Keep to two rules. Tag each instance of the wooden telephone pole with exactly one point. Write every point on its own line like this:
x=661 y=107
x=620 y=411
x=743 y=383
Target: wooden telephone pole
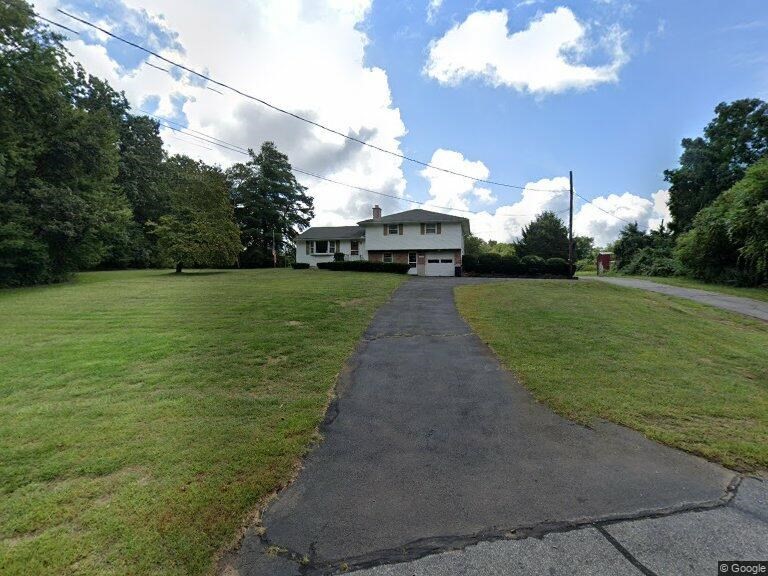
x=570 y=227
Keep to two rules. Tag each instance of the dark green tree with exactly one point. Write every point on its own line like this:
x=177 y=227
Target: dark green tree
x=546 y=237
x=735 y=139
x=728 y=241
x=200 y=230
x=58 y=157
x=583 y=247
x=630 y=241
x=269 y=202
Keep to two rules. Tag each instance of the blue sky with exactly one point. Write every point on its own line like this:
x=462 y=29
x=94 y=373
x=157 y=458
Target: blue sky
x=606 y=88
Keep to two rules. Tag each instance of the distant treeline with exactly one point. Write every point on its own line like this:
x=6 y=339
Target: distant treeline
x=85 y=184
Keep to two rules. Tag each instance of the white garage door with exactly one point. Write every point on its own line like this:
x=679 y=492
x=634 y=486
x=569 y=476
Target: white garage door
x=440 y=265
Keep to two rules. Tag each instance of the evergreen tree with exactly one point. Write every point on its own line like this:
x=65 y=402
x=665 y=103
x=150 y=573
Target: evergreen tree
x=269 y=202
x=546 y=237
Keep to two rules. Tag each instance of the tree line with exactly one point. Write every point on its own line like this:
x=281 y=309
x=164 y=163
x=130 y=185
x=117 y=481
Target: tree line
x=718 y=200
x=85 y=184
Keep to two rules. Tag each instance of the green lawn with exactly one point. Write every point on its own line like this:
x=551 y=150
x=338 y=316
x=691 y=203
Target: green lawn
x=145 y=414
x=755 y=293
x=685 y=374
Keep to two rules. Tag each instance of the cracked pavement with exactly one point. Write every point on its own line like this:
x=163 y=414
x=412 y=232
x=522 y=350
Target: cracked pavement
x=435 y=460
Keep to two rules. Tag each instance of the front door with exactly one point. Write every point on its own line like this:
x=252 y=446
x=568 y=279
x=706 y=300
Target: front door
x=421 y=261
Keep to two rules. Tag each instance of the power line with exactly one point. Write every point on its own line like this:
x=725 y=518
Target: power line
x=55 y=23
x=610 y=213
x=297 y=116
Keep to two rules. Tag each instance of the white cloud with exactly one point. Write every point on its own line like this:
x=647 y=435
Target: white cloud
x=253 y=46
x=450 y=191
x=660 y=209
x=546 y=57
x=433 y=7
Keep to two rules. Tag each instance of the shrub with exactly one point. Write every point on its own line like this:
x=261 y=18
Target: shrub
x=557 y=267
x=365 y=266
x=338 y=256
x=469 y=263
x=489 y=263
x=511 y=265
x=533 y=264
x=299 y=265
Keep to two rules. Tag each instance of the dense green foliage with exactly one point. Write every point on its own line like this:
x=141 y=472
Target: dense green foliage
x=475 y=246
x=546 y=237
x=199 y=230
x=735 y=139
x=270 y=204
x=60 y=209
x=364 y=266
x=528 y=266
x=689 y=375
x=646 y=253
x=86 y=184
x=729 y=239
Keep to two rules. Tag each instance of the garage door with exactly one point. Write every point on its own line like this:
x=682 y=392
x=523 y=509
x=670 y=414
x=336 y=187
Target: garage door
x=440 y=265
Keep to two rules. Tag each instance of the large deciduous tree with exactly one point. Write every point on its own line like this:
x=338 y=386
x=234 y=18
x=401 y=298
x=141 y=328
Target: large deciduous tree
x=735 y=139
x=269 y=203
x=59 y=208
x=546 y=237
x=200 y=230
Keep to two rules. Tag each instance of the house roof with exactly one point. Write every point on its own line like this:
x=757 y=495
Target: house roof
x=417 y=215
x=332 y=233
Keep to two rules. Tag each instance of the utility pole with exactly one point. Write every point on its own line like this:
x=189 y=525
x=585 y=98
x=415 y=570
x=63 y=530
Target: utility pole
x=570 y=226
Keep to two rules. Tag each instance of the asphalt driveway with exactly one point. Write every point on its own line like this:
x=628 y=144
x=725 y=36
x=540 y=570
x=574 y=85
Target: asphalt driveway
x=432 y=445
x=745 y=306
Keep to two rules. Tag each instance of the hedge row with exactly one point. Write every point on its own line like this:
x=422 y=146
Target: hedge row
x=365 y=266
x=496 y=264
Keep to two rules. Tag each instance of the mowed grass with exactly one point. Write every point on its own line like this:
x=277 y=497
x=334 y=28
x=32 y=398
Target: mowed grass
x=682 y=373
x=754 y=293
x=143 y=415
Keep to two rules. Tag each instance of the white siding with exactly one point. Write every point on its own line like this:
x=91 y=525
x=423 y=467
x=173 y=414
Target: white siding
x=313 y=259
x=450 y=238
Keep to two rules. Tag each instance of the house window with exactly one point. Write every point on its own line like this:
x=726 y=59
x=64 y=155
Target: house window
x=430 y=228
x=446 y=261
x=412 y=258
x=387 y=256
x=393 y=229
x=322 y=247
x=354 y=248
x=433 y=261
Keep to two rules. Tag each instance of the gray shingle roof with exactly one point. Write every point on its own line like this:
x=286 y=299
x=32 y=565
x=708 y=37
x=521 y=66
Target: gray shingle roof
x=332 y=233
x=417 y=215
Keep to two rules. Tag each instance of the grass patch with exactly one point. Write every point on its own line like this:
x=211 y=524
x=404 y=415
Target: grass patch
x=682 y=373
x=754 y=293
x=144 y=414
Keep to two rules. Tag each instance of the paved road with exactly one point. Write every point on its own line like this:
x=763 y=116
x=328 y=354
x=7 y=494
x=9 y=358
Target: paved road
x=432 y=445
x=746 y=306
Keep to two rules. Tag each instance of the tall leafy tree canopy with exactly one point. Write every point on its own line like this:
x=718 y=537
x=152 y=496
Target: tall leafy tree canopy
x=59 y=207
x=728 y=241
x=546 y=237
x=200 y=229
x=735 y=139
x=269 y=203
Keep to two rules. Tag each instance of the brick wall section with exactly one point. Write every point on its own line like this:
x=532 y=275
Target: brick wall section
x=400 y=257
x=457 y=257
x=375 y=256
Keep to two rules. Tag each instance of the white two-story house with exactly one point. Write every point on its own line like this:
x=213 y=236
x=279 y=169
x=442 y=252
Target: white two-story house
x=431 y=242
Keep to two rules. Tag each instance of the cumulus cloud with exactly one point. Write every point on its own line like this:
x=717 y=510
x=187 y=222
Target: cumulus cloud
x=252 y=45
x=602 y=218
x=546 y=57
x=450 y=191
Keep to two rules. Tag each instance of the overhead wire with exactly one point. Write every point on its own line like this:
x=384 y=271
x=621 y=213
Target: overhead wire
x=238 y=149
x=208 y=78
